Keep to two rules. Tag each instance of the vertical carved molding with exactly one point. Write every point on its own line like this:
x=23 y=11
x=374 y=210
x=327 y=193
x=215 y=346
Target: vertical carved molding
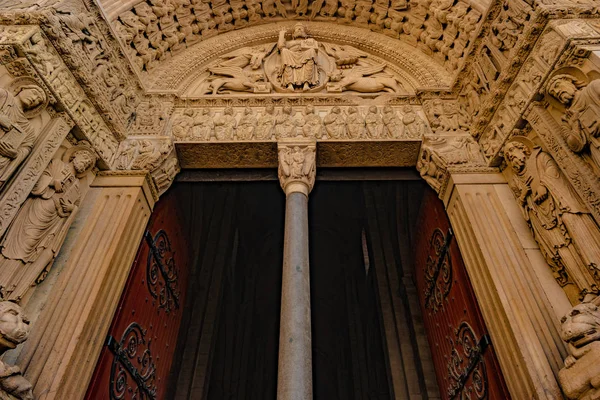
x=523 y=328
x=64 y=346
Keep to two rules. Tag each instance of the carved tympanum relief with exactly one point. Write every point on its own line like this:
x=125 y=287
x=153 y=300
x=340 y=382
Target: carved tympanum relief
x=580 y=377
x=321 y=123
x=297 y=165
x=568 y=236
x=35 y=236
x=152 y=30
x=297 y=64
x=14 y=330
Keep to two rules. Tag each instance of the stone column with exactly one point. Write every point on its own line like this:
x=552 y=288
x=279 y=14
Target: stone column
x=297 y=177
x=67 y=337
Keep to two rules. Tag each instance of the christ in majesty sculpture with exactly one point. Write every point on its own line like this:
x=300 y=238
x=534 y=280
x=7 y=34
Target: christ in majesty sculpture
x=298 y=60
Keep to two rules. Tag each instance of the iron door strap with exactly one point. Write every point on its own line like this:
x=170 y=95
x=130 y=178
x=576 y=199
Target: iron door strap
x=161 y=272
x=132 y=358
x=459 y=371
x=441 y=266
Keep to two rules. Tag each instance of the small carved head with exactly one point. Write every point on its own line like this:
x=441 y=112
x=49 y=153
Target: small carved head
x=581 y=325
x=14 y=325
x=31 y=96
x=373 y=109
x=188 y=112
x=516 y=154
x=83 y=158
x=287 y=109
x=228 y=111
x=299 y=31
x=388 y=110
x=269 y=108
x=563 y=87
x=309 y=109
x=407 y=109
x=352 y=110
x=336 y=110
x=247 y=111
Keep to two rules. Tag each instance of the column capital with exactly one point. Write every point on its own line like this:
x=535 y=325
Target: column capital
x=297 y=165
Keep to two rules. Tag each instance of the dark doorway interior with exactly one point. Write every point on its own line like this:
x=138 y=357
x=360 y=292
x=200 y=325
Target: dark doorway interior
x=228 y=343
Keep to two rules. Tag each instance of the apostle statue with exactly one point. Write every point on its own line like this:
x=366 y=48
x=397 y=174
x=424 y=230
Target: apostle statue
x=17 y=134
x=14 y=330
x=40 y=227
x=581 y=121
x=561 y=223
x=299 y=67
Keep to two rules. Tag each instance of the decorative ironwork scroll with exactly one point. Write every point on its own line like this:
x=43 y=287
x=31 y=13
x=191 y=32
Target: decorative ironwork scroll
x=438 y=273
x=466 y=367
x=133 y=360
x=162 y=272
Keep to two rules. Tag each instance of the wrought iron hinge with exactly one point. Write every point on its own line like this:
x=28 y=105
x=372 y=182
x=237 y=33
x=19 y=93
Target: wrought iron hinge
x=475 y=361
x=432 y=281
x=168 y=272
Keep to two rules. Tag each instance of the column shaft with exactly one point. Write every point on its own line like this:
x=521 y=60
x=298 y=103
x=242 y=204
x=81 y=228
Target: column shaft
x=295 y=352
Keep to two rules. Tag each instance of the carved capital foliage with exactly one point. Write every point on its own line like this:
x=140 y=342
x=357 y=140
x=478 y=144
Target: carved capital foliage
x=297 y=165
x=442 y=156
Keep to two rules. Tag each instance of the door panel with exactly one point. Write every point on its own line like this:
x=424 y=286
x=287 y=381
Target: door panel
x=464 y=359
x=138 y=354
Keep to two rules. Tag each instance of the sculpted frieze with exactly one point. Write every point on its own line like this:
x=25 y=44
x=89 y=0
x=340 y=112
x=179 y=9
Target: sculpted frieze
x=308 y=121
x=560 y=221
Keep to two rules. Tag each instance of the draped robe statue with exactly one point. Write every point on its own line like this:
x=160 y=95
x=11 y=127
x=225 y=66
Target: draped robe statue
x=561 y=223
x=299 y=67
x=40 y=227
x=17 y=135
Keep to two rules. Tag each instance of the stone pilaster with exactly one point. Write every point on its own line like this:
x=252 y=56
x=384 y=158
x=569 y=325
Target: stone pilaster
x=297 y=177
x=519 y=300
x=61 y=354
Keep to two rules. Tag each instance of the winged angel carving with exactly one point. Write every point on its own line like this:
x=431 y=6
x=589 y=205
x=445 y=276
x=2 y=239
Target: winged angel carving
x=300 y=64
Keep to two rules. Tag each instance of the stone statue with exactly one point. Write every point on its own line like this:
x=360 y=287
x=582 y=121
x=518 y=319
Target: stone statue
x=581 y=121
x=284 y=126
x=580 y=378
x=14 y=330
x=182 y=125
x=374 y=123
x=335 y=124
x=429 y=167
x=225 y=125
x=17 y=134
x=299 y=65
x=561 y=223
x=264 y=130
x=393 y=126
x=40 y=227
x=355 y=124
x=313 y=126
x=203 y=126
x=414 y=127
x=247 y=125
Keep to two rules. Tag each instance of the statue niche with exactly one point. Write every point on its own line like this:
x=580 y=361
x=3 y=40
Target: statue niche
x=298 y=65
x=561 y=224
x=34 y=237
x=22 y=101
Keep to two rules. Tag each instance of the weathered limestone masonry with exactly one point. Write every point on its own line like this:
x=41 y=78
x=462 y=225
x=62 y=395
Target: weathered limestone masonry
x=496 y=103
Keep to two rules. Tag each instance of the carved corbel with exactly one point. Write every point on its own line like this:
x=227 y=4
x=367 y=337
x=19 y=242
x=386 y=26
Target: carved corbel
x=297 y=166
x=442 y=156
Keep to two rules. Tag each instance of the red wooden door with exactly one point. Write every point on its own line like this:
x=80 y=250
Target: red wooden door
x=137 y=357
x=465 y=363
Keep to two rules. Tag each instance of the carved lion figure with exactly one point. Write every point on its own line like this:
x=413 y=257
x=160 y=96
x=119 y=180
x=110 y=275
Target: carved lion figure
x=580 y=378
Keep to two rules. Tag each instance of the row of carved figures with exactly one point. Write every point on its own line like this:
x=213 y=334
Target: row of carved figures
x=153 y=28
x=192 y=125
